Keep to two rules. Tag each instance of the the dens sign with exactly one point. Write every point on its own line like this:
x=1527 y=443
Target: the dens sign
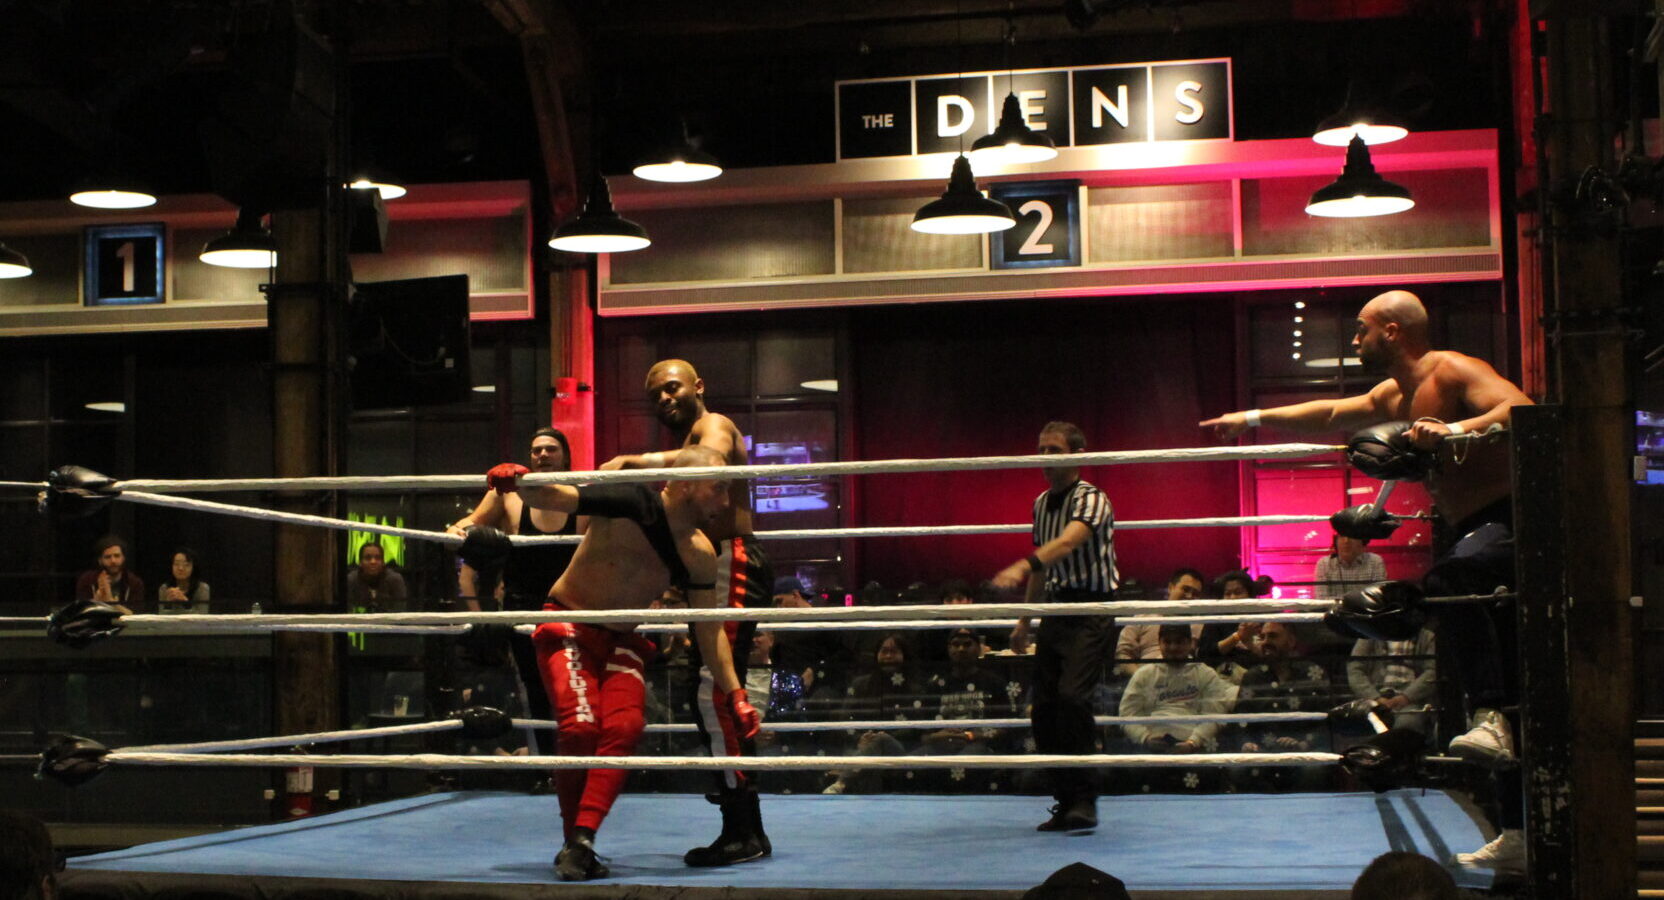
x=1165 y=101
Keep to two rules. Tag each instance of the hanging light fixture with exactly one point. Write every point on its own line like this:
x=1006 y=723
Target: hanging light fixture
x=1013 y=142
x=599 y=228
x=1373 y=125
x=113 y=192
x=14 y=264
x=1359 y=191
x=681 y=163
x=370 y=178
x=962 y=209
x=246 y=246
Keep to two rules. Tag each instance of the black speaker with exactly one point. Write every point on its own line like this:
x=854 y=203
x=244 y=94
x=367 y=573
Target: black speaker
x=408 y=342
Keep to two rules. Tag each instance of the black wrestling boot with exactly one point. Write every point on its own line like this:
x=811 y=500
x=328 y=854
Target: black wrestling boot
x=577 y=860
x=1078 y=814
x=742 y=838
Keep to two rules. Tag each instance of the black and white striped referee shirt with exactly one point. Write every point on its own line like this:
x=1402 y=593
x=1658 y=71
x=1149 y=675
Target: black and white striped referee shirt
x=1091 y=566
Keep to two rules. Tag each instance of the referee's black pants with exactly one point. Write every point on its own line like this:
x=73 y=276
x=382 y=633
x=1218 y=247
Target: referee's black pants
x=1068 y=665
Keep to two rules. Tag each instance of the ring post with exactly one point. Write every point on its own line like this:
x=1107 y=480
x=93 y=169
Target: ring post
x=1545 y=671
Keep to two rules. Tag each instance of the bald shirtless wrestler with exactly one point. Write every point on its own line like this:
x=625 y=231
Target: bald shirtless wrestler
x=744 y=578
x=1445 y=394
x=639 y=544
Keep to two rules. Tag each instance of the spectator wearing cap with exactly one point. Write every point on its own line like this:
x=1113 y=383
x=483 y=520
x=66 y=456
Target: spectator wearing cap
x=1178 y=686
x=815 y=656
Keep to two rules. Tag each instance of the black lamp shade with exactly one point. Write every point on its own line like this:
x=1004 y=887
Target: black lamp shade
x=1359 y=191
x=14 y=264
x=962 y=209
x=1013 y=142
x=599 y=228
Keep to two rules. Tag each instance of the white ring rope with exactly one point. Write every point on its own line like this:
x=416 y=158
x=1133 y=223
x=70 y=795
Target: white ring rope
x=289 y=518
x=696 y=473
x=939 y=724
x=720 y=763
x=159 y=625
x=296 y=740
x=163 y=625
x=942 y=612
x=328 y=737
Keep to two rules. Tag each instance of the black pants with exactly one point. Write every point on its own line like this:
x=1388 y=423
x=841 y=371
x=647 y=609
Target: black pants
x=1068 y=664
x=531 y=677
x=1480 y=642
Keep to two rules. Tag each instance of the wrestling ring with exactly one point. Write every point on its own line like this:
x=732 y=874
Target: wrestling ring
x=499 y=844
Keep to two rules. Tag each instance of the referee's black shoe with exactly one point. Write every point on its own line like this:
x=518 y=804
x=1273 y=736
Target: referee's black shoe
x=1079 y=814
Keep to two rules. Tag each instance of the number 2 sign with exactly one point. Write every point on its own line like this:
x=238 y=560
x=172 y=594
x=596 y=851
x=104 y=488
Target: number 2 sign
x=1048 y=225
x=124 y=264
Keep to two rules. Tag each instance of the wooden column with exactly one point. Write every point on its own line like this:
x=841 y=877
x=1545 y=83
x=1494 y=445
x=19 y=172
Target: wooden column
x=1588 y=356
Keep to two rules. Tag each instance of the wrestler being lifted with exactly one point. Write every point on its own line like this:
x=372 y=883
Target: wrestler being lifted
x=640 y=542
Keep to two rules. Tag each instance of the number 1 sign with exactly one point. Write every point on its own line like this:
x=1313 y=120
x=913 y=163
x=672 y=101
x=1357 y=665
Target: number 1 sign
x=1047 y=233
x=124 y=264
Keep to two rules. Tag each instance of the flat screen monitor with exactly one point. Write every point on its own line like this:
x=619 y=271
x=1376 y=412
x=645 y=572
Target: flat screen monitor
x=784 y=495
x=1649 y=446
x=408 y=342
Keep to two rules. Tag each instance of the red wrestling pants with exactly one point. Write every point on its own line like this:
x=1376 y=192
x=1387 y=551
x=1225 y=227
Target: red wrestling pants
x=745 y=577
x=595 y=684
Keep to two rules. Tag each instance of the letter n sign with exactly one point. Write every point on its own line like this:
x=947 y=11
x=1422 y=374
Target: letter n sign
x=124 y=264
x=1048 y=225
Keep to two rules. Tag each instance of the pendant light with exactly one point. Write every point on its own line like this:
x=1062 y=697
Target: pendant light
x=962 y=209
x=1373 y=125
x=247 y=245
x=680 y=163
x=1013 y=142
x=599 y=228
x=112 y=193
x=371 y=178
x=14 y=264
x=1359 y=191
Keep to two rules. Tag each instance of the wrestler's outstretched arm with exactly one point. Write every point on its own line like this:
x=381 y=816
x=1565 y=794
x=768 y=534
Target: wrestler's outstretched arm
x=1346 y=414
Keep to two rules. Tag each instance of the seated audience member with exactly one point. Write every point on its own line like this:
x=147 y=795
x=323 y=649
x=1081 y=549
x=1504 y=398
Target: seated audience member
x=372 y=587
x=1282 y=682
x=1139 y=642
x=112 y=582
x=1389 y=672
x=1401 y=875
x=28 y=864
x=888 y=691
x=1348 y=566
x=967 y=690
x=183 y=590
x=1178 y=686
x=819 y=658
x=1232 y=650
x=933 y=643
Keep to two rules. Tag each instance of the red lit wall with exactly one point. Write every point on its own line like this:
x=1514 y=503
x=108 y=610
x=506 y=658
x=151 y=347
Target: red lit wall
x=980 y=379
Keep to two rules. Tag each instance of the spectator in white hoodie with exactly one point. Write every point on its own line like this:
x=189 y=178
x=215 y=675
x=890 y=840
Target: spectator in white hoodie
x=1180 y=686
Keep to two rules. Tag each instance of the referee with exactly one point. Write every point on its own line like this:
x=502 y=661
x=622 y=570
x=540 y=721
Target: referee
x=1074 y=562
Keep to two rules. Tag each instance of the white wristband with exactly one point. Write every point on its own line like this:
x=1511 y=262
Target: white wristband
x=1253 y=418
x=1455 y=429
